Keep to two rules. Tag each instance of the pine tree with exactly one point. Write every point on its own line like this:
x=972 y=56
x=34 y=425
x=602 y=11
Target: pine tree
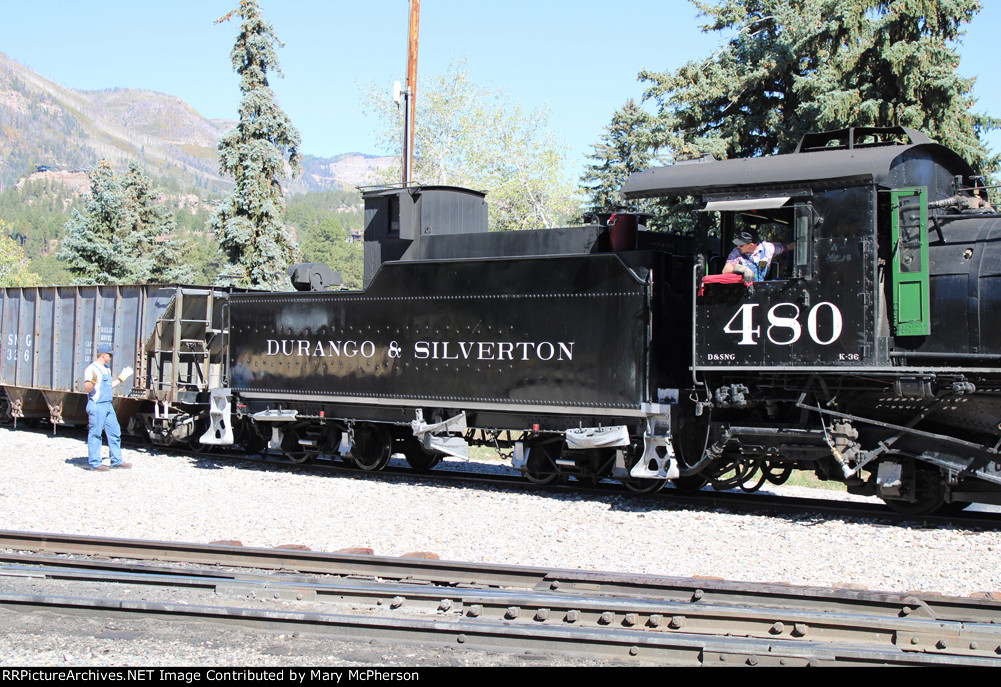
x=165 y=252
x=94 y=246
x=124 y=235
x=627 y=146
x=793 y=66
x=258 y=153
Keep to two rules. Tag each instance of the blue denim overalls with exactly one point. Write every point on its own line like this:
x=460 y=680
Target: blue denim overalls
x=103 y=419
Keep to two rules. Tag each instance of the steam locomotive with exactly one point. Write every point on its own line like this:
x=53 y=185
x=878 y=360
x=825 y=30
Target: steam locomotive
x=867 y=355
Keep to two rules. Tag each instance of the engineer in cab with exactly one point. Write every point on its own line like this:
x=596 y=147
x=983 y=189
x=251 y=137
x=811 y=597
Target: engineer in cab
x=752 y=257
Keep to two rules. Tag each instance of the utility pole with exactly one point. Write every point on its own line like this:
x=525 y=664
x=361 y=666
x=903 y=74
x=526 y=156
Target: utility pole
x=411 y=92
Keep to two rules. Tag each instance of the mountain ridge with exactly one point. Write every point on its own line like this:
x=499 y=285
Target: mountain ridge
x=44 y=124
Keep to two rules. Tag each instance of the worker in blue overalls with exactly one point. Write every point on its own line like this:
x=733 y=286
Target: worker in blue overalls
x=98 y=384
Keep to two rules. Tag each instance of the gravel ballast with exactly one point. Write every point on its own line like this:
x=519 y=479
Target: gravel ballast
x=47 y=488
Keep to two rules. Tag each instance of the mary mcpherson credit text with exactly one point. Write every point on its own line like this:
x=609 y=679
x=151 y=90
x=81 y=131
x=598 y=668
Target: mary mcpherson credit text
x=284 y=675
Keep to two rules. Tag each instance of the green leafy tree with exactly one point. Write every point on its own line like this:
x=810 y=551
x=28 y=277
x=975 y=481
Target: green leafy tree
x=794 y=66
x=467 y=135
x=124 y=235
x=14 y=269
x=261 y=151
x=36 y=212
x=333 y=246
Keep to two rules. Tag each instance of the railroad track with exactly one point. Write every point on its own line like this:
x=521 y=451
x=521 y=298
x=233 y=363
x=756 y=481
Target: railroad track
x=634 y=618
x=738 y=501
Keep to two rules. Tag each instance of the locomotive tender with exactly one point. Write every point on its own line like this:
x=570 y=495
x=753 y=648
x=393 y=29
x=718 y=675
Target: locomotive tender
x=868 y=355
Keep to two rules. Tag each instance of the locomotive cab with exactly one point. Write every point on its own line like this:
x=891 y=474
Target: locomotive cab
x=866 y=350
x=860 y=266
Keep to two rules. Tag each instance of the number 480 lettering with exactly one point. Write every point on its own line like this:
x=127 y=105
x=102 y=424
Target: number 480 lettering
x=784 y=327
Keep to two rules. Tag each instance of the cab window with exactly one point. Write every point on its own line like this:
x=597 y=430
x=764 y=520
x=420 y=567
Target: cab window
x=783 y=221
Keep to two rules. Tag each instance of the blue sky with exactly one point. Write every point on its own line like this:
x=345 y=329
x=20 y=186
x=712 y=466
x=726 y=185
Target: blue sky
x=579 y=58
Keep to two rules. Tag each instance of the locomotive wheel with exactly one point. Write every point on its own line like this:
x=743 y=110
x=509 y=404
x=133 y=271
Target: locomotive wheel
x=250 y=438
x=644 y=486
x=636 y=484
x=541 y=466
x=595 y=465
x=689 y=482
x=372 y=448
x=417 y=457
x=930 y=494
x=923 y=506
x=299 y=457
x=954 y=507
x=292 y=450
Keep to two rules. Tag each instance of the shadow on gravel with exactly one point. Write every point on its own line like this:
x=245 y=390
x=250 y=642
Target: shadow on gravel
x=491 y=478
x=494 y=477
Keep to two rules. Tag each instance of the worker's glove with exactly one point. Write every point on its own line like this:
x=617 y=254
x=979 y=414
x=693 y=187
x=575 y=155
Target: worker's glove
x=126 y=373
x=745 y=272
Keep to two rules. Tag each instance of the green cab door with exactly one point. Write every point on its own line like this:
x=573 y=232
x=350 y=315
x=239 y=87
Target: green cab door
x=909 y=222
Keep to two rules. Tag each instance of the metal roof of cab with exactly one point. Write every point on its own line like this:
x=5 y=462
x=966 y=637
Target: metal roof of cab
x=883 y=165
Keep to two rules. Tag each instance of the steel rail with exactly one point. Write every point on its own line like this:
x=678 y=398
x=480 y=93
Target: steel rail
x=658 y=647
x=734 y=500
x=433 y=571
x=755 y=502
x=553 y=608
x=745 y=501
x=453 y=574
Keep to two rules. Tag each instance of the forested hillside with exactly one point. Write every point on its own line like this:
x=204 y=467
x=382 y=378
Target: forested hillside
x=36 y=211
x=42 y=123
x=51 y=136
x=328 y=226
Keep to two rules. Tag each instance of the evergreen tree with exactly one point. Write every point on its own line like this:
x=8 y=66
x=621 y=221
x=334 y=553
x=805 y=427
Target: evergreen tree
x=793 y=66
x=323 y=223
x=164 y=252
x=627 y=146
x=124 y=235
x=258 y=153
x=94 y=246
